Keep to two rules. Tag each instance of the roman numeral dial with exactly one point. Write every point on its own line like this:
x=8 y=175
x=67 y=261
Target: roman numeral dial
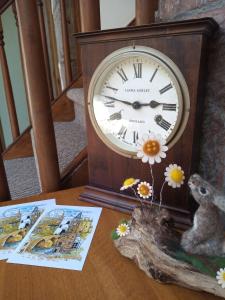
x=162 y=122
x=122 y=74
x=137 y=70
x=133 y=95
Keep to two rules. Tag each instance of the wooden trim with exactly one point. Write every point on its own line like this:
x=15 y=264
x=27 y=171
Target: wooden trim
x=66 y=44
x=21 y=56
x=4 y=4
x=145 y=11
x=53 y=49
x=2 y=140
x=38 y=96
x=45 y=47
x=74 y=164
x=77 y=28
x=90 y=15
x=8 y=88
x=126 y=204
x=205 y=26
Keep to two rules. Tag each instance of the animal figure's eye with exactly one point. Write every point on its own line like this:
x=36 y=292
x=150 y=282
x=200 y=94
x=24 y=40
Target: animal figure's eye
x=203 y=191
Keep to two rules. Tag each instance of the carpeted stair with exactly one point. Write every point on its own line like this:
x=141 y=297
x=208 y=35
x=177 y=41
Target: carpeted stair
x=70 y=139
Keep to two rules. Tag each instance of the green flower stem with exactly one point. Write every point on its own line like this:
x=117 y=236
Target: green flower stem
x=160 y=195
x=153 y=182
x=136 y=195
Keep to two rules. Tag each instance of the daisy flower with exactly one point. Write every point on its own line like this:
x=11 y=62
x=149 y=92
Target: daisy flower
x=152 y=149
x=128 y=183
x=174 y=176
x=144 y=190
x=123 y=229
x=220 y=276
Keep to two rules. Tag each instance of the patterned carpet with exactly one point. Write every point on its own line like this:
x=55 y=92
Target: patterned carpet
x=70 y=139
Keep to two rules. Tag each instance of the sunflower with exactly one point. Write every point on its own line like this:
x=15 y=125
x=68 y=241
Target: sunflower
x=220 y=276
x=174 y=176
x=123 y=229
x=144 y=190
x=152 y=149
x=128 y=183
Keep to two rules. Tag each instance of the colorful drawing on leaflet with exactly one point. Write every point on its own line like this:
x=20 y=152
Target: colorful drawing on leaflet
x=16 y=221
x=60 y=239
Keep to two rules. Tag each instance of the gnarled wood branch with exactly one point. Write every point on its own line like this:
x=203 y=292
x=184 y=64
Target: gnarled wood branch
x=148 y=244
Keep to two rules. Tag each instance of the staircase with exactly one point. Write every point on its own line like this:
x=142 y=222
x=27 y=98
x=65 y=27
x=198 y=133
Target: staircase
x=22 y=173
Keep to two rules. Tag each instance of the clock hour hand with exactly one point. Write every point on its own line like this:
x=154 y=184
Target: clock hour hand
x=118 y=100
x=166 y=106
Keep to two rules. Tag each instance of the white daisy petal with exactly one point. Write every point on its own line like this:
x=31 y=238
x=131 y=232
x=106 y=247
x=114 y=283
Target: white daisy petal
x=144 y=159
x=158 y=159
x=221 y=277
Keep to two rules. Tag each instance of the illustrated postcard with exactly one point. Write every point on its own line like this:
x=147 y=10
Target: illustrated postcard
x=16 y=221
x=60 y=239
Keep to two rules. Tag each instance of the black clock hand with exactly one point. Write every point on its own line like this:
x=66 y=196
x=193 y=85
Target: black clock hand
x=118 y=100
x=154 y=104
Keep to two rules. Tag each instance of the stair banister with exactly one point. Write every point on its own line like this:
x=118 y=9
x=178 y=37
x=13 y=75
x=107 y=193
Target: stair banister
x=66 y=45
x=8 y=88
x=90 y=15
x=38 y=95
x=45 y=48
x=145 y=11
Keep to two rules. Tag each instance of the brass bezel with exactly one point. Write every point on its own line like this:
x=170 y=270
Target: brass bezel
x=169 y=65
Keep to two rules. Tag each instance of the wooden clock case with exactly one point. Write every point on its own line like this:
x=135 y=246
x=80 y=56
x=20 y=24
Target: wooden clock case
x=185 y=43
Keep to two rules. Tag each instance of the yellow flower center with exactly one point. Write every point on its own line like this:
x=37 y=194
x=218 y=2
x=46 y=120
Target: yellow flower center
x=223 y=276
x=176 y=175
x=129 y=181
x=122 y=228
x=144 y=190
x=151 y=147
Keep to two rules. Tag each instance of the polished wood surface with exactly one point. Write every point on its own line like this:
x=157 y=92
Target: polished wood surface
x=8 y=88
x=4 y=188
x=173 y=39
x=45 y=47
x=106 y=274
x=66 y=45
x=38 y=96
x=145 y=11
x=90 y=15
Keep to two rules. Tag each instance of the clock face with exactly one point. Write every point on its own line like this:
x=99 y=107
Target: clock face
x=132 y=93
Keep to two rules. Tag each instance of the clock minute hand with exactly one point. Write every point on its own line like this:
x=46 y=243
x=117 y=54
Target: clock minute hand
x=118 y=100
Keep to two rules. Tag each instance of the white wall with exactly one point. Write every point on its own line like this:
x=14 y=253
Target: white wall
x=116 y=13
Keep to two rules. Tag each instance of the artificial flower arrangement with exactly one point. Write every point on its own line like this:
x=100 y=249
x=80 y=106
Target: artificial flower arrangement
x=152 y=149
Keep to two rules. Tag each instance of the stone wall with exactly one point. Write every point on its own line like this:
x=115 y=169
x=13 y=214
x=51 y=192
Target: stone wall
x=212 y=164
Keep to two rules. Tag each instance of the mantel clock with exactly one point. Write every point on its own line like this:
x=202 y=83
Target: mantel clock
x=139 y=80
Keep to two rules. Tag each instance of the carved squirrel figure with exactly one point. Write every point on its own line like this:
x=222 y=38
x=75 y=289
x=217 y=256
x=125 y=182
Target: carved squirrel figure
x=207 y=235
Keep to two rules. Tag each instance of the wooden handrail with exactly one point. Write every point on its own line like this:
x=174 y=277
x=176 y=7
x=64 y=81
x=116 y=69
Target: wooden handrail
x=45 y=47
x=8 y=88
x=66 y=44
x=38 y=96
x=90 y=15
x=4 y=188
x=145 y=11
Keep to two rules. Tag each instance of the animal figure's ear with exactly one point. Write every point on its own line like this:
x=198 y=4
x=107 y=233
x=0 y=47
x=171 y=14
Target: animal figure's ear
x=219 y=201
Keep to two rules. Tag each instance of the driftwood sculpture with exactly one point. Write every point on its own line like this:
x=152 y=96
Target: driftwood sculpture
x=154 y=246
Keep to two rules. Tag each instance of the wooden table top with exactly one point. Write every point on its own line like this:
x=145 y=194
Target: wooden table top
x=105 y=275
